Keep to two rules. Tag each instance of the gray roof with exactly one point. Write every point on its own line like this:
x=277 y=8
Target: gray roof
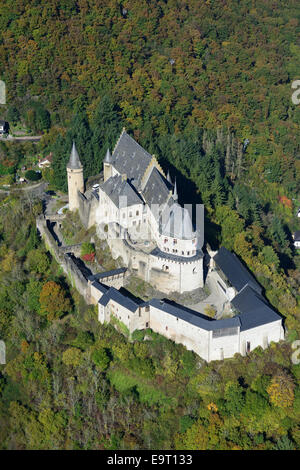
x=183 y=259
x=193 y=317
x=130 y=158
x=157 y=188
x=236 y=273
x=124 y=300
x=113 y=272
x=254 y=309
x=74 y=162
x=104 y=299
x=121 y=192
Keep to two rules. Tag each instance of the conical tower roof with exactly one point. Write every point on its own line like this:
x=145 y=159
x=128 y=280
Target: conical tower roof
x=169 y=177
x=74 y=162
x=107 y=158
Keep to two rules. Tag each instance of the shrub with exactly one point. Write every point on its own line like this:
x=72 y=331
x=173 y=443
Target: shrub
x=32 y=175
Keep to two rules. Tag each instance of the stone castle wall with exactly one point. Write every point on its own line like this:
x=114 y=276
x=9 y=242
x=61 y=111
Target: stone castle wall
x=163 y=274
x=66 y=259
x=87 y=210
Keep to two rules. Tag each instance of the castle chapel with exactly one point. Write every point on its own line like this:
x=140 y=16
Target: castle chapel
x=136 y=209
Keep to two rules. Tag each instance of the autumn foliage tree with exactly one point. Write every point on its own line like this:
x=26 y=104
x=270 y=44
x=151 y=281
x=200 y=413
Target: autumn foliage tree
x=281 y=390
x=53 y=300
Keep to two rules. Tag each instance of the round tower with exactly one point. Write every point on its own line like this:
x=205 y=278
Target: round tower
x=75 y=179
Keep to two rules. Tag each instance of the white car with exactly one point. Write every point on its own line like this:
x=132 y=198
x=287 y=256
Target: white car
x=95 y=186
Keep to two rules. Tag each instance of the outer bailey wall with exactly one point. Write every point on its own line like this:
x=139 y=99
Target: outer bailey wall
x=262 y=336
x=89 y=292
x=180 y=331
x=76 y=277
x=224 y=347
x=69 y=267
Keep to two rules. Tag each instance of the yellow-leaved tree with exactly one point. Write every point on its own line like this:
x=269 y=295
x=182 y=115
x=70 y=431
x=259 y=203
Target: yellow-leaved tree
x=281 y=390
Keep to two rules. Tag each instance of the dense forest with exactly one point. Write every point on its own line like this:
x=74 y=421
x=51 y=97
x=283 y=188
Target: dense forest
x=206 y=87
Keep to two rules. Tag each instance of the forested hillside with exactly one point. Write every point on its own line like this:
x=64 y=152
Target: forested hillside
x=71 y=383
x=206 y=87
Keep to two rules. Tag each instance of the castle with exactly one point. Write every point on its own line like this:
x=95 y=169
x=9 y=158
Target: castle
x=138 y=205
x=136 y=208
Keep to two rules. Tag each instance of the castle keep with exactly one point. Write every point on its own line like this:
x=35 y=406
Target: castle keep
x=145 y=225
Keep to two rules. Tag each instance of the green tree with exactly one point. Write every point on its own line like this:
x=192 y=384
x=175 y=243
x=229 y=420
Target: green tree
x=72 y=357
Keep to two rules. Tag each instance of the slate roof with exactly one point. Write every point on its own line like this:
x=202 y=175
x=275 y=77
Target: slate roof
x=130 y=158
x=157 y=188
x=114 y=294
x=74 y=162
x=104 y=299
x=193 y=317
x=99 y=286
x=183 y=259
x=120 y=192
x=113 y=272
x=254 y=309
x=236 y=273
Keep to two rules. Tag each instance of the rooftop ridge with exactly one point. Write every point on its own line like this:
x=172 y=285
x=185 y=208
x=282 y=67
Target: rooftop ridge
x=122 y=132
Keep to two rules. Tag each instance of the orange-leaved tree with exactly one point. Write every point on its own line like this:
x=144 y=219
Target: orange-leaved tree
x=54 y=301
